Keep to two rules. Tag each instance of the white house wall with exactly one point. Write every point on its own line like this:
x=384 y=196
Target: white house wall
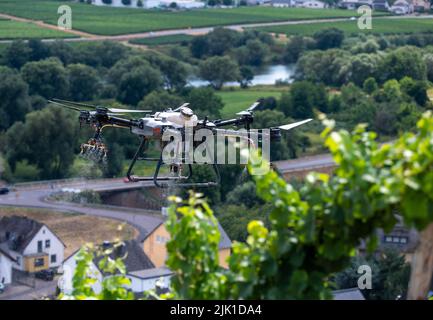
x=5 y=269
x=18 y=258
x=56 y=246
x=68 y=270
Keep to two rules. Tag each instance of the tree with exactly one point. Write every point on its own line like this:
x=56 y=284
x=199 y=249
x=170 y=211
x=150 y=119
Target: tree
x=39 y=50
x=245 y=194
x=83 y=82
x=160 y=100
x=205 y=102
x=415 y=89
x=134 y=85
x=391 y=275
x=218 y=70
x=397 y=64
x=14 y=102
x=303 y=97
x=199 y=46
x=174 y=73
x=220 y=40
x=47 y=78
x=246 y=75
x=47 y=139
x=295 y=47
x=17 y=54
x=328 y=38
x=370 y=85
x=255 y=53
x=331 y=67
x=134 y=78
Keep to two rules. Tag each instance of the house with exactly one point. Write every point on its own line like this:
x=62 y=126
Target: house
x=282 y=3
x=400 y=238
x=381 y=5
x=31 y=244
x=6 y=262
x=139 y=268
x=154 y=245
x=149 y=4
x=421 y=5
x=348 y=294
x=402 y=7
x=314 y=4
x=355 y=4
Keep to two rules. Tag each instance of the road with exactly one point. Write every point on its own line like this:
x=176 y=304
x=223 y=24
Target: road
x=85 y=36
x=35 y=196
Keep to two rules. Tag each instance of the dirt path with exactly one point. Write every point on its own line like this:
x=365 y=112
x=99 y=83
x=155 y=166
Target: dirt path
x=46 y=25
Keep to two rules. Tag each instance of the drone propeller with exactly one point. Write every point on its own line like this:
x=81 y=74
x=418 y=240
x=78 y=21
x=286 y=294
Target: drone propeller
x=75 y=105
x=64 y=105
x=294 y=125
x=250 y=110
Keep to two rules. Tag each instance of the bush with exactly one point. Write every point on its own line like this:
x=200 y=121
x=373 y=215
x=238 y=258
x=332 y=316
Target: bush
x=126 y=2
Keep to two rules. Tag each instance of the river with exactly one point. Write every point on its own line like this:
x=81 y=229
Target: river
x=268 y=76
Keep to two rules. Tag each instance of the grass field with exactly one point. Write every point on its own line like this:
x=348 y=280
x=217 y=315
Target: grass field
x=23 y=30
x=112 y=21
x=158 y=41
x=380 y=26
x=74 y=229
x=240 y=99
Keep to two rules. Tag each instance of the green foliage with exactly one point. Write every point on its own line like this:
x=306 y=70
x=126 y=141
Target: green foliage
x=47 y=78
x=328 y=38
x=397 y=64
x=218 y=70
x=391 y=275
x=314 y=232
x=199 y=276
x=46 y=139
x=114 y=287
x=14 y=102
x=83 y=82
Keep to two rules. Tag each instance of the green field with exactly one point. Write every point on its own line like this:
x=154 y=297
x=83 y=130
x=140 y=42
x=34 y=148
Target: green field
x=23 y=30
x=113 y=21
x=380 y=26
x=158 y=41
x=240 y=99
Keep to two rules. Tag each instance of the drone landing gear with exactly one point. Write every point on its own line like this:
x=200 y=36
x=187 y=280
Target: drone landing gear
x=176 y=172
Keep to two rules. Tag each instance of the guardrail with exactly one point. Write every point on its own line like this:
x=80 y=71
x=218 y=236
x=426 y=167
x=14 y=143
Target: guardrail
x=55 y=183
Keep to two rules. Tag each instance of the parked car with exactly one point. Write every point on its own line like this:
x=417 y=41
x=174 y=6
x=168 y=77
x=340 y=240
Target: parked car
x=4 y=190
x=47 y=275
x=2 y=288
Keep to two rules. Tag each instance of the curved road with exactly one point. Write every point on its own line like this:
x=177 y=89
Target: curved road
x=35 y=197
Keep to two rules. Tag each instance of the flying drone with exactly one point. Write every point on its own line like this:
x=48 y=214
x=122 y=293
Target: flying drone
x=152 y=127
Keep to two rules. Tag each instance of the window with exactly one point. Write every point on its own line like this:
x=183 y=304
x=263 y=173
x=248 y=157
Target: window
x=47 y=243
x=39 y=262
x=39 y=246
x=53 y=258
x=18 y=259
x=403 y=240
x=388 y=239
